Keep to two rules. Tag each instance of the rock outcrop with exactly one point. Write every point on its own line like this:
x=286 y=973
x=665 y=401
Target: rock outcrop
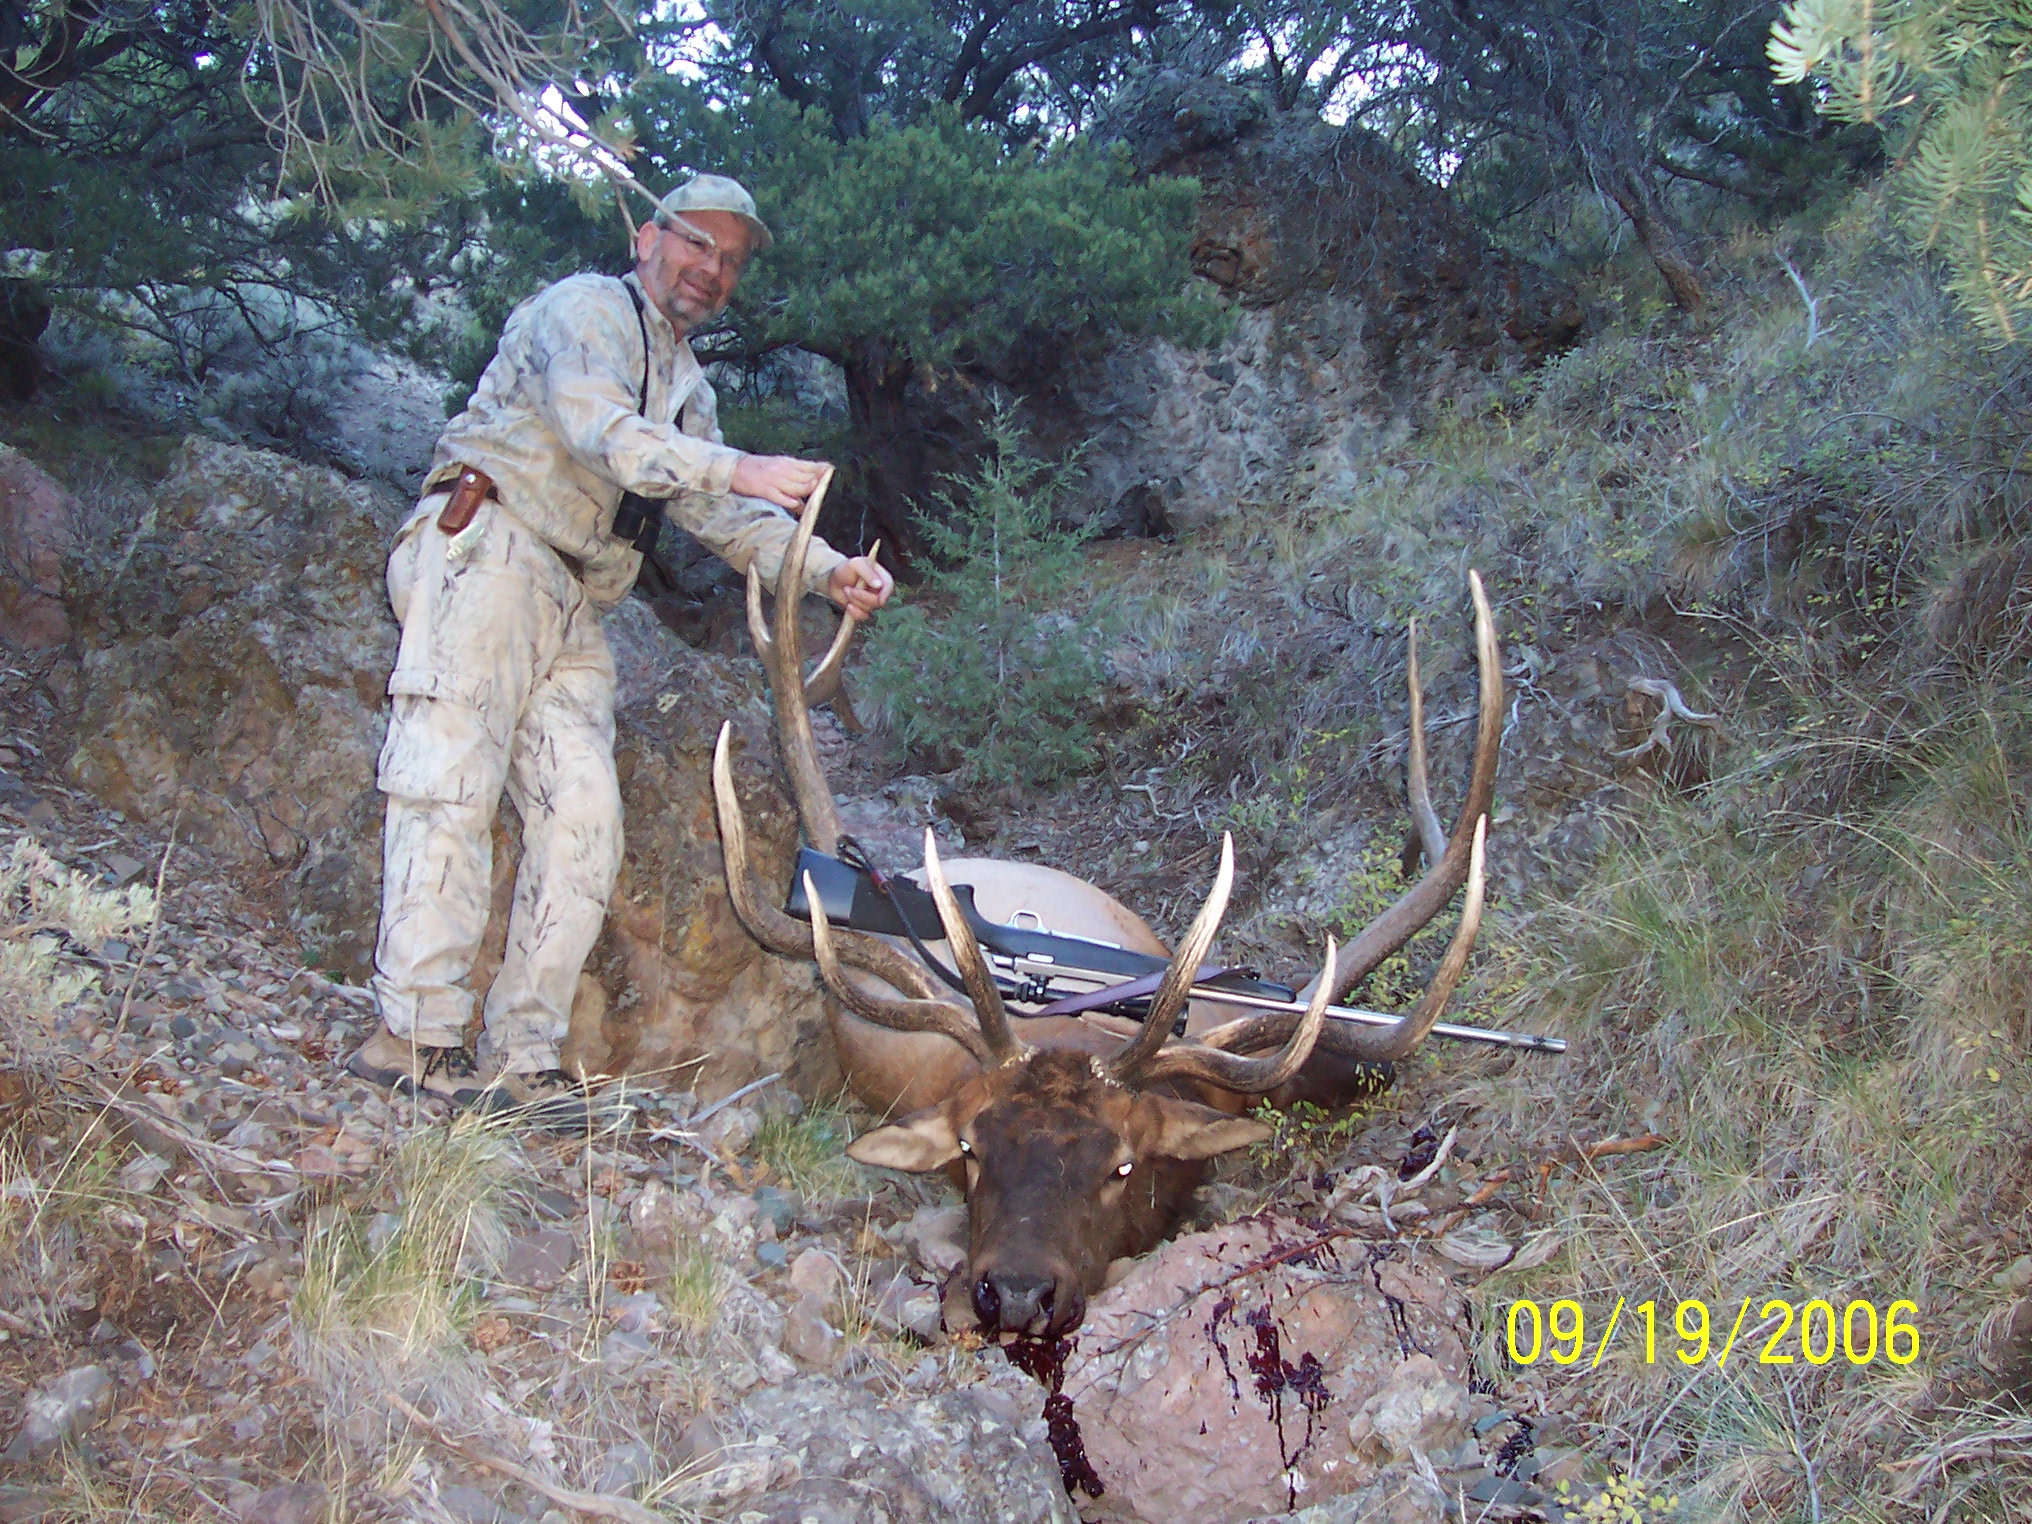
x=233 y=666
x=1365 y=296
x=35 y=534
x=1236 y=1373
x=234 y=656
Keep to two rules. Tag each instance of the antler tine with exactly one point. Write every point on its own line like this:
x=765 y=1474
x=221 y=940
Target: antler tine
x=974 y=972
x=785 y=664
x=823 y=686
x=785 y=934
x=1179 y=978
x=1250 y=1076
x=758 y=623
x=1379 y=1045
x=1428 y=897
x=899 y=1015
x=1447 y=976
x=1423 y=816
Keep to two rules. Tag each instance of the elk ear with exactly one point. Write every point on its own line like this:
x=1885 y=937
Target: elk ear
x=923 y=1141
x=1187 y=1130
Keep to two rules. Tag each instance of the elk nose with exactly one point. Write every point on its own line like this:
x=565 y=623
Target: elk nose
x=1014 y=1301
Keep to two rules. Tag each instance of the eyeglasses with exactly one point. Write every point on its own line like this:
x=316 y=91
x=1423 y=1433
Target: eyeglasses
x=697 y=237
x=700 y=242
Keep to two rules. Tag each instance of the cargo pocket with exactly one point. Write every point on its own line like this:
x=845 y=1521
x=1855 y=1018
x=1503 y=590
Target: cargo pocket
x=440 y=746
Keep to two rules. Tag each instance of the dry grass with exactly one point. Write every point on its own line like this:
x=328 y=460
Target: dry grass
x=385 y=1296
x=1829 y=1018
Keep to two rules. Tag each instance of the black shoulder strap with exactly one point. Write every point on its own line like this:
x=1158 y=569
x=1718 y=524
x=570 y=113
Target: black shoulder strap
x=642 y=402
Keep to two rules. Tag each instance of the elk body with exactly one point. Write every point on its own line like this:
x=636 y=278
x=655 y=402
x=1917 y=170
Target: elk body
x=1079 y=1140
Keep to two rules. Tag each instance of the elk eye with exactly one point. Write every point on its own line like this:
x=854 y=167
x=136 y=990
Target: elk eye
x=1125 y=1167
x=966 y=1147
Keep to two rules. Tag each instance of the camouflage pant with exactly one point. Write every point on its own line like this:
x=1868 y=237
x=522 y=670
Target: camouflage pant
x=504 y=678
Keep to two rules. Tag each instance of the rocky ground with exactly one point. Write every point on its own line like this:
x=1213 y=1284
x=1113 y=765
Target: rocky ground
x=239 y=1284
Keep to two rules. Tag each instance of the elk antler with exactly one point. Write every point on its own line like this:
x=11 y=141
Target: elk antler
x=1248 y=1076
x=974 y=971
x=1375 y=1045
x=1151 y=1055
x=1431 y=837
x=785 y=934
x=1176 y=987
x=985 y=1033
x=1428 y=897
x=938 y=1016
x=794 y=694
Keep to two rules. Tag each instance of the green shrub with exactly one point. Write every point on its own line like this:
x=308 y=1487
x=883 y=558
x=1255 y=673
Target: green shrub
x=983 y=668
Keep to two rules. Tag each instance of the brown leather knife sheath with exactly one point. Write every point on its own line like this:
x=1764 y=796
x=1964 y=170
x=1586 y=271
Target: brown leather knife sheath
x=468 y=492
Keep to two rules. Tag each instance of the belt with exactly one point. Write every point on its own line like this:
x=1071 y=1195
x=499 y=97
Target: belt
x=473 y=487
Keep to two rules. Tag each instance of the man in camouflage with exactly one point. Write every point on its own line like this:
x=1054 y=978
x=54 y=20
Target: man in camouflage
x=503 y=677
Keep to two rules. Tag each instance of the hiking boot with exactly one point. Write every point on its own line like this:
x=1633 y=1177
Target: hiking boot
x=405 y=1067
x=548 y=1099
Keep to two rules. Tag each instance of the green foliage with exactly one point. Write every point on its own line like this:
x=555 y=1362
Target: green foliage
x=999 y=678
x=1304 y=1139
x=932 y=243
x=807 y=1152
x=1949 y=77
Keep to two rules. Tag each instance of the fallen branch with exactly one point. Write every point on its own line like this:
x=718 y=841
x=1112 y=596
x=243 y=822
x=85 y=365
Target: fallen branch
x=1584 y=1153
x=154 y=926
x=594 y=1505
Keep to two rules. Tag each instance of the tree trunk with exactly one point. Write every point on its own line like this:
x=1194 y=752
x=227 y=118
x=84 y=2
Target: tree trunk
x=1655 y=232
x=24 y=314
x=893 y=475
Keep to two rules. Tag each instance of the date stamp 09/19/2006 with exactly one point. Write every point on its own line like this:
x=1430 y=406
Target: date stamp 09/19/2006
x=1814 y=1332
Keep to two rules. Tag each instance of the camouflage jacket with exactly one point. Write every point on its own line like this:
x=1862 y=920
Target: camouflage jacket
x=554 y=422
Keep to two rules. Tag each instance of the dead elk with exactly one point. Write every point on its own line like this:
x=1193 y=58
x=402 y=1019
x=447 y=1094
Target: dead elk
x=1078 y=1140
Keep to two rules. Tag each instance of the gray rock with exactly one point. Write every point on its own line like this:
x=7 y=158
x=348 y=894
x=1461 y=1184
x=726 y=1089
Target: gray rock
x=61 y=1411
x=729 y=1133
x=469 y=1505
x=1173 y=1436
x=291 y=1503
x=845 y=1456
x=36 y=519
x=816 y=1273
x=807 y=1335
x=939 y=1235
x=780 y=1207
x=1398 y=1495
x=20 y=1505
x=539 y=1260
x=622 y=1352
x=907 y=1306
x=625 y=1467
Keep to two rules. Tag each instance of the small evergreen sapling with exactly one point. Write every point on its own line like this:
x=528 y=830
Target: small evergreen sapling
x=984 y=668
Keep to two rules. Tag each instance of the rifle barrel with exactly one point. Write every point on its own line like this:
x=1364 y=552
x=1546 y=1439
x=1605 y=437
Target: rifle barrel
x=1520 y=1040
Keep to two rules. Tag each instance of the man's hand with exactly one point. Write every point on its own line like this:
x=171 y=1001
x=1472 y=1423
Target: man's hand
x=860 y=587
x=783 y=480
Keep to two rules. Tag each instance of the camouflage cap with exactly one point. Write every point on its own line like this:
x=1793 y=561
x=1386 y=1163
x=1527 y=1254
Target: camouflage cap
x=716 y=193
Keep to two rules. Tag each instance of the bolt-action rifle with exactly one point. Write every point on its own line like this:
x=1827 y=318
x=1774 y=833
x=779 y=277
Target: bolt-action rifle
x=1064 y=975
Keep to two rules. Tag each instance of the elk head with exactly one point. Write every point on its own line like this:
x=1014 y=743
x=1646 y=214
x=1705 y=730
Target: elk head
x=1071 y=1158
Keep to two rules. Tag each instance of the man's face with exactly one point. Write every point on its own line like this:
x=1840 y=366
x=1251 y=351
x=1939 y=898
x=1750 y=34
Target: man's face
x=691 y=278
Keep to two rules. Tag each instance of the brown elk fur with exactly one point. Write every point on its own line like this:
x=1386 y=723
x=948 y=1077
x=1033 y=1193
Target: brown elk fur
x=1039 y=1146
